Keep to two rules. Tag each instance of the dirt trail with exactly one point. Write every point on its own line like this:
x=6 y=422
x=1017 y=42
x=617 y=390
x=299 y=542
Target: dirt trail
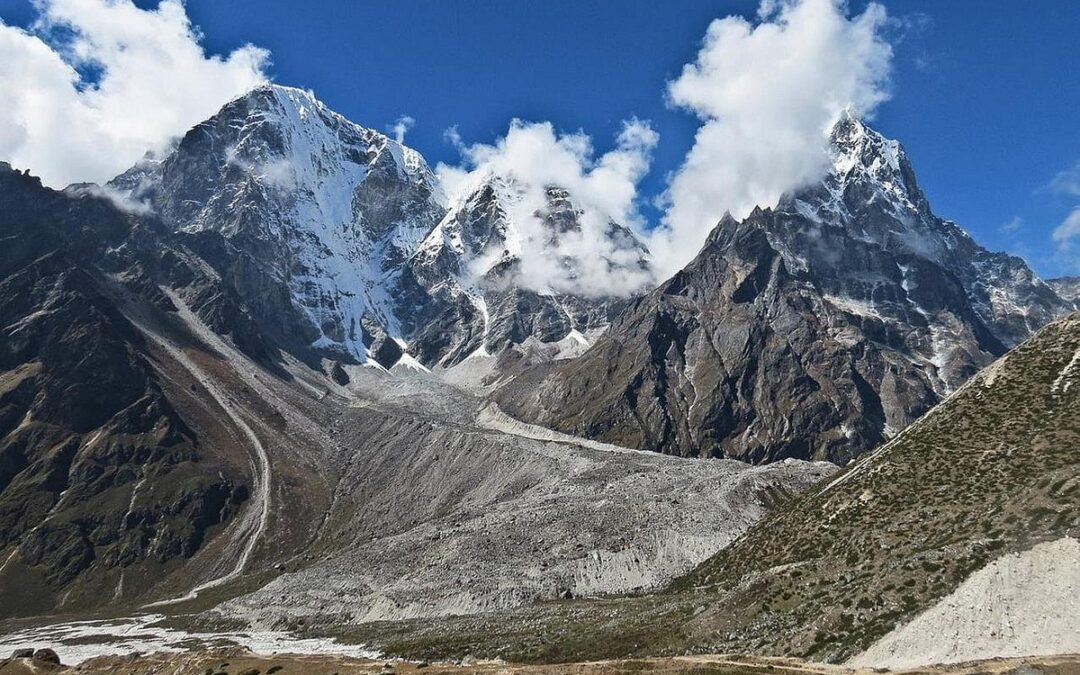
x=257 y=514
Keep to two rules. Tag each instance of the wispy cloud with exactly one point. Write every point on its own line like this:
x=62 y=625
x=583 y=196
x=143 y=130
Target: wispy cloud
x=1067 y=181
x=121 y=200
x=1067 y=237
x=1012 y=226
x=1069 y=228
x=150 y=80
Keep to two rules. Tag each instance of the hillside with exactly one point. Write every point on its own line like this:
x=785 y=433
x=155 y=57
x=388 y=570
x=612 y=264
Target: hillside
x=992 y=471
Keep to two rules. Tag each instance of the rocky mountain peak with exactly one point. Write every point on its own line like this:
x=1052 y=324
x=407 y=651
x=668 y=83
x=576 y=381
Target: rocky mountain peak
x=343 y=244
x=850 y=302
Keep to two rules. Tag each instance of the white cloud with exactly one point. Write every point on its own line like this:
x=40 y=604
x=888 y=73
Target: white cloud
x=153 y=82
x=401 y=127
x=277 y=173
x=767 y=94
x=1067 y=181
x=121 y=200
x=604 y=188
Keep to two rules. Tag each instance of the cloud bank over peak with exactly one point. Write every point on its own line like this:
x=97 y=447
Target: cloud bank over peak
x=767 y=94
x=533 y=157
x=96 y=83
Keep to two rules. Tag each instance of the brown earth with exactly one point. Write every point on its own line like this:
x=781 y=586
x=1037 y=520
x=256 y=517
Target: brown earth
x=239 y=662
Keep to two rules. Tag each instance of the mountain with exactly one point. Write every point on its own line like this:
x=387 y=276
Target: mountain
x=113 y=466
x=214 y=387
x=304 y=213
x=819 y=328
x=342 y=244
x=160 y=449
x=990 y=474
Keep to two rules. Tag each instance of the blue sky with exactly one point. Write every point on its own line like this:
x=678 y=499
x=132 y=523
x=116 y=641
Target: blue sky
x=984 y=94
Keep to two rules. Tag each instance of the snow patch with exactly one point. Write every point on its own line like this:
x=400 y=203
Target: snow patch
x=1064 y=378
x=853 y=306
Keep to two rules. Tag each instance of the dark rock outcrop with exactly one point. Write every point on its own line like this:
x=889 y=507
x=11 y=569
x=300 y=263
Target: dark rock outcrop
x=100 y=477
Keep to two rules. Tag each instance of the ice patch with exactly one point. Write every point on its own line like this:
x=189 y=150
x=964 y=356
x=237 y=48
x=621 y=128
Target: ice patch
x=78 y=641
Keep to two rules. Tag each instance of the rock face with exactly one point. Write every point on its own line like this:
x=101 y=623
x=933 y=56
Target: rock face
x=1067 y=287
x=816 y=329
x=341 y=243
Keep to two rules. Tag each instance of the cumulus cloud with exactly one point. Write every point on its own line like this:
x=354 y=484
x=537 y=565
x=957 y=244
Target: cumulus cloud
x=401 y=127
x=534 y=157
x=767 y=94
x=94 y=84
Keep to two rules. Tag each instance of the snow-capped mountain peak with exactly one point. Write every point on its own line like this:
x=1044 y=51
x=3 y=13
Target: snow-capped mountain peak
x=868 y=172
x=497 y=225
x=861 y=152
x=318 y=204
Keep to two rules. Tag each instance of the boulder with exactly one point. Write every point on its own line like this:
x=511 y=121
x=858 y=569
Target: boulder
x=45 y=657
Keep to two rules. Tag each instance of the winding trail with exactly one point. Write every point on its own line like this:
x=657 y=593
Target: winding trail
x=256 y=516
x=492 y=418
